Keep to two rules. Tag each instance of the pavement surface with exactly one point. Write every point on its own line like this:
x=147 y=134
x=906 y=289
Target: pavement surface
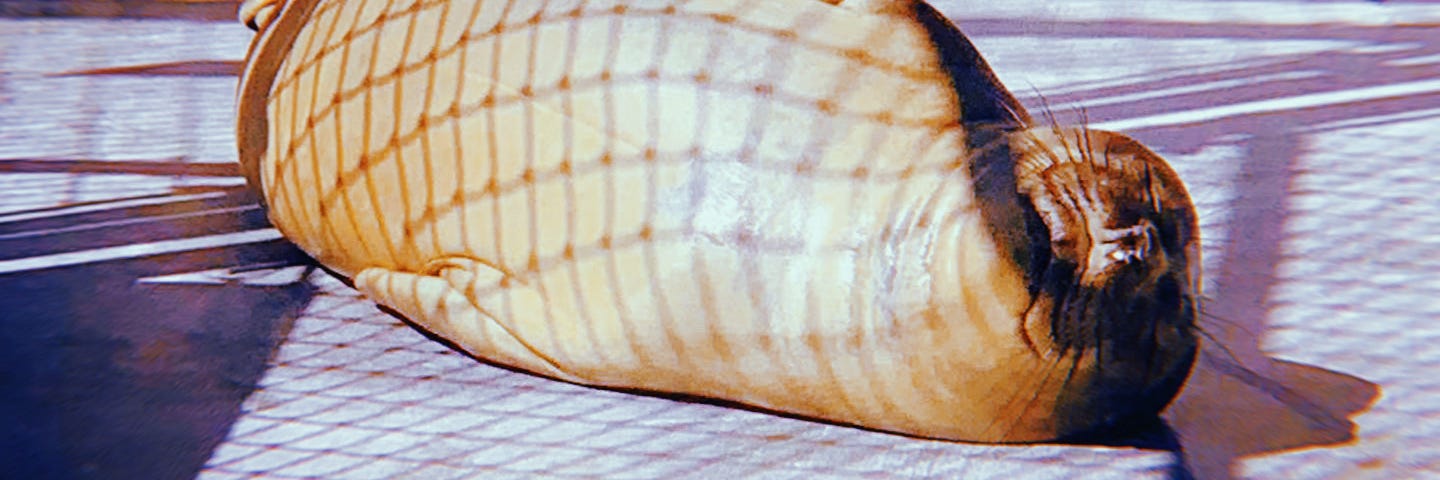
x=153 y=326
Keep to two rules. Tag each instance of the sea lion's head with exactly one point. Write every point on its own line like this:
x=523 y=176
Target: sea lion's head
x=1112 y=269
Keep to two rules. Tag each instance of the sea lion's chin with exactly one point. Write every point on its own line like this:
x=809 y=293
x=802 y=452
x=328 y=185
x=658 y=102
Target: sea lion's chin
x=1115 y=291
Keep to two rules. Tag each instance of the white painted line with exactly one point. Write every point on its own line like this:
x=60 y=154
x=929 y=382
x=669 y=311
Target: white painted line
x=1199 y=87
x=1309 y=100
x=138 y=250
x=1377 y=120
x=270 y=277
x=1208 y=69
x=1412 y=115
x=217 y=276
x=1414 y=61
x=126 y=222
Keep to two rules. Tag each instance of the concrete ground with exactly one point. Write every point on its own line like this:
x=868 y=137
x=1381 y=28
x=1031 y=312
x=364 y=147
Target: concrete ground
x=148 y=331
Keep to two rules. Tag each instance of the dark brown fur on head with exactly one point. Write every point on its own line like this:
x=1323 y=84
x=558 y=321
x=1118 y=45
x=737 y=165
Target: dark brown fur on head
x=1113 y=267
x=1106 y=234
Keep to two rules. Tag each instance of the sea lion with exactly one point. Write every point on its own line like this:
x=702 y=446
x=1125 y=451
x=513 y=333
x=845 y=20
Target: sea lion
x=829 y=209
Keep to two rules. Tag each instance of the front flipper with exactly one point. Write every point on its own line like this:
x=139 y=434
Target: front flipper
x=437 y=301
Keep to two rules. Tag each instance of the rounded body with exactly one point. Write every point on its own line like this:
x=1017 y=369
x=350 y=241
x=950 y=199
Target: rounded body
x=771 y=203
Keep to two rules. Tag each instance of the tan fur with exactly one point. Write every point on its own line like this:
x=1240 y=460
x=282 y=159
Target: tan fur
x=761 y=202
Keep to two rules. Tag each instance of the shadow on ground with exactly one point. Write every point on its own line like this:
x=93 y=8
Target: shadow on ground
x=106 y=377
x=1240 y=402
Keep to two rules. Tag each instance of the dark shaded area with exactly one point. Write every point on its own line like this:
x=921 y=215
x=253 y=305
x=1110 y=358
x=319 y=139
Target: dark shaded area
x=1239 y=401
x=195 y=68
x=206 y=10
x=1150 y=433
x=990 y=114
x=983 y=100
x=120 y=167
x=109 y=378
x=106 y=378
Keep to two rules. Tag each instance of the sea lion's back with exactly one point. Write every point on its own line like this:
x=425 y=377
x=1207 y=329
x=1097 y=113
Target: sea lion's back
x=515 y=130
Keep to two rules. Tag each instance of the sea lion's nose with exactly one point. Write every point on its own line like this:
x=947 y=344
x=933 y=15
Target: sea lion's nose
x=1115 y=247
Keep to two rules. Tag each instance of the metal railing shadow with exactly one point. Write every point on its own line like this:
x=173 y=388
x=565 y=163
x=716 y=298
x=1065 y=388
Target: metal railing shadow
x=1240 y=402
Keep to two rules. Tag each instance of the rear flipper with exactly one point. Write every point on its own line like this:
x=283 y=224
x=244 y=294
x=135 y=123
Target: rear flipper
x=437 y=301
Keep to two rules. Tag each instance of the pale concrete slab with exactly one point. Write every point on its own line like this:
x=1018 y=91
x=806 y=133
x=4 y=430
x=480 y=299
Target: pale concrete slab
x=1304 y=129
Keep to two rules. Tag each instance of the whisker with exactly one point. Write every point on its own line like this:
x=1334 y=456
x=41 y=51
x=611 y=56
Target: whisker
x=1108 y=150
x=1012 y=397
x=1097 y=330
x=1083 y=135
x=1228 y=322
x=1150 y=190
x=1017 y=113
x=1030 y=402
x=1064 y=384
x=1151 y=331
x=1048 y=113
x=1060 y=325
x=1088 y=160
x=1221 y=345
x=1072 y=322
